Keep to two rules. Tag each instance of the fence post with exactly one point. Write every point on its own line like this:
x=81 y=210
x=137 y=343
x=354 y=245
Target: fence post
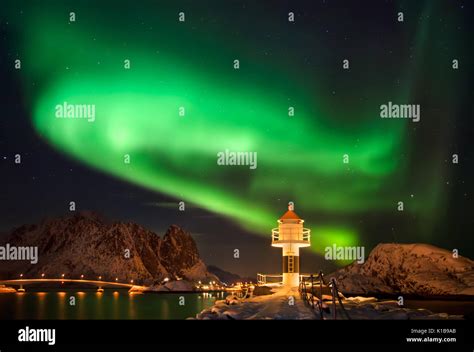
x=334 y=292
x=321 y=285
x=340 y=301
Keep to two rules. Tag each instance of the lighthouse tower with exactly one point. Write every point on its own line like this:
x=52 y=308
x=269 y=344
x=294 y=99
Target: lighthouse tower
x=291 y=236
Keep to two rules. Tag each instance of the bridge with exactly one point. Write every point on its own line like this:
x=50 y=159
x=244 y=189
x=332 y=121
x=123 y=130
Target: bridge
x=99 y=283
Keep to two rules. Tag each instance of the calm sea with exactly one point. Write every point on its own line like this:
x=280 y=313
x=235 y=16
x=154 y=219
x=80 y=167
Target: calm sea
x=111 y=304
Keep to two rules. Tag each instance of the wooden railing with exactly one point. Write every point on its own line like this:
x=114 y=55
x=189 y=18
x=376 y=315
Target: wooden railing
x=262 y=279
x=308 y=288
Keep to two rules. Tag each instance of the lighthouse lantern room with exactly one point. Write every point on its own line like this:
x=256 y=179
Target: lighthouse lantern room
x=291 y=236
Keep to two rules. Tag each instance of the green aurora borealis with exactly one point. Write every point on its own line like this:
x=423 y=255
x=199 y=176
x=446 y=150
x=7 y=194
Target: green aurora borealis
x=181 y=65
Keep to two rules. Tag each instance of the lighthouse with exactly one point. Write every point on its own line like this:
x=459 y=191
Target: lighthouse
x=290 y=235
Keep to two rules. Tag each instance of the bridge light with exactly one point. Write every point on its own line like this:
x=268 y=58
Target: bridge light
x=82 y=276
x=62 y=275
x=131 y=281
x=42 y=275
x=100 y=277
x=21 y=275
x=116 y=279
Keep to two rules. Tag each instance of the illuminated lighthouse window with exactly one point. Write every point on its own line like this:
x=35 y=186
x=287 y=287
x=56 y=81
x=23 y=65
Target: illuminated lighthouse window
x=290 y=264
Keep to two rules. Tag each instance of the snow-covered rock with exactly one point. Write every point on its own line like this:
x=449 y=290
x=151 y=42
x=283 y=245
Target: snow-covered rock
x=172 y=286
x=5 y=289
x=232 y=299
x=416 y=269
x=370 y=308
x=359 y=299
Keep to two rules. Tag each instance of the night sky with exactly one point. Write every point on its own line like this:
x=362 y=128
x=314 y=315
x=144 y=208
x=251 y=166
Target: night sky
x=283 y=64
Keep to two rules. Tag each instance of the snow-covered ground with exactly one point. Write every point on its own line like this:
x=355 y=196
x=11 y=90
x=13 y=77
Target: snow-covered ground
x=286 y=304
x=276 y=306
x=4 y=289
x=170 y=286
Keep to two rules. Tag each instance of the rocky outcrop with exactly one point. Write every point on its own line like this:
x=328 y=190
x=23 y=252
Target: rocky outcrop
x=87 y=244
x=411 y=269
x=225 y=276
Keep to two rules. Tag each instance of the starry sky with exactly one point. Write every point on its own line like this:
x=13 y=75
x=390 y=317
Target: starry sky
x=282 y=65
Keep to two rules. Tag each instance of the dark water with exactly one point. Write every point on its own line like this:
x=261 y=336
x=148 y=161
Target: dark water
x=465 y=308
x=111 y=304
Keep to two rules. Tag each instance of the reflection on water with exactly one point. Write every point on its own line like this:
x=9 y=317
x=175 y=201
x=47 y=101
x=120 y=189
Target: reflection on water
x=110 y=304
x=116 y=305
x=61 y=303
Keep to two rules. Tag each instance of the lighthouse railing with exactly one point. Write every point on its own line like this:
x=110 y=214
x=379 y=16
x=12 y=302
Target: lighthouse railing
x=275 y=235
x=265 y=279
x=304 y=235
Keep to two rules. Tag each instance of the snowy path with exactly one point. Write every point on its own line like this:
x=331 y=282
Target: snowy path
x=286 y=304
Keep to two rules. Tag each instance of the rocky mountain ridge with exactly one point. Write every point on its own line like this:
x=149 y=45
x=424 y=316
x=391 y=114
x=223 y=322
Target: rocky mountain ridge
x=411 y=269
x=86 y=244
